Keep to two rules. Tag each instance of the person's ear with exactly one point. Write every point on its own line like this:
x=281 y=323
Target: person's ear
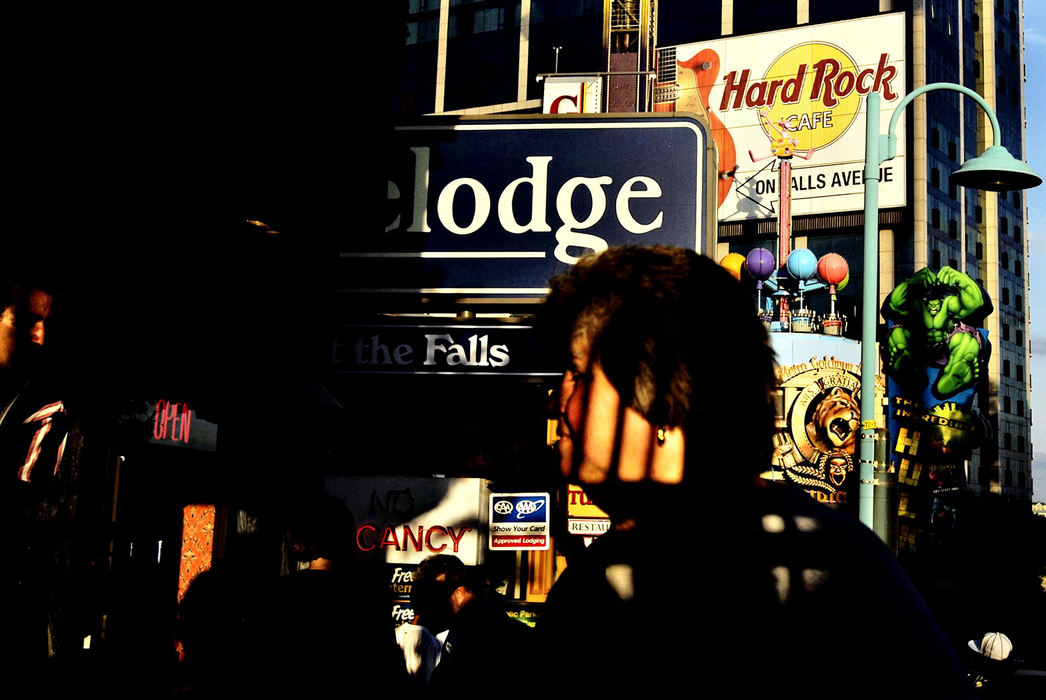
x=458 y=597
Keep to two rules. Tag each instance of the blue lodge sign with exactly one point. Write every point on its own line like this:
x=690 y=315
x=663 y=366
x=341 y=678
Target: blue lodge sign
x=497 y=206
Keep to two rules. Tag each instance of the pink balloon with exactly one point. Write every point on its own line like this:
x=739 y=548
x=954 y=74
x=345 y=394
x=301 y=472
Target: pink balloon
x=832 y=268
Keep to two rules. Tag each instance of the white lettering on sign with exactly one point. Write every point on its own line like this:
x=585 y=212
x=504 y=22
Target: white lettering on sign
x=401 y=613
x=576 y=221
x=441 y=349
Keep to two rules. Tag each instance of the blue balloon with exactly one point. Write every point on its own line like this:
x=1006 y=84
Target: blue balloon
x=802 y=264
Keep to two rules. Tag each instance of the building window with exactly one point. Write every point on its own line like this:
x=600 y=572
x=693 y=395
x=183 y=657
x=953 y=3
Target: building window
x=1004 y=260
x=1018 y=301
x=951 y=150
x=935 y=177
x=1020 y=408
x=1019 y=337
x=1020 y=444
x=1007 y=441
x=751 y=16
x=1004 y=225
x=980 y=250
x=1017 y=233
x=935 y=137
x=1005 y=331
x=936 y=260
x=1005 y=368
x=978 y=213
x=1005 y=295
x=953 y=229
x=489 y=20
x=422 y=31
x=1020 y=371
x=1005 y=404
x=1018 y=269
x=935 y=218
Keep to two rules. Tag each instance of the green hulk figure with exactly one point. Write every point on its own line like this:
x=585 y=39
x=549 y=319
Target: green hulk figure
x=933 y=316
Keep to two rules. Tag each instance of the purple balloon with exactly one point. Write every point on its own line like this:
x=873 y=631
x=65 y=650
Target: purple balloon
x=760 y=263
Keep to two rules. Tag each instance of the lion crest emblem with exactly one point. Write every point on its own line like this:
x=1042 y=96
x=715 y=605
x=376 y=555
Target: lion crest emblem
x=816 y=444
x=834 y=423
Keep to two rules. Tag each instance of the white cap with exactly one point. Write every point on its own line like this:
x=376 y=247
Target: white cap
x=994 y=645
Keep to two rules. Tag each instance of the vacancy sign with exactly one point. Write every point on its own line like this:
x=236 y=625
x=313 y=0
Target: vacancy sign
x=519 y=521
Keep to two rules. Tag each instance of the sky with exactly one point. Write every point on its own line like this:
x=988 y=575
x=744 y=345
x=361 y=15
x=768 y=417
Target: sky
x=1035 y=101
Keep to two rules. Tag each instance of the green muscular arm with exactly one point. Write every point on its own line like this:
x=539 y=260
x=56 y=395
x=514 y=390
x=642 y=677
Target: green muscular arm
x=904 y=298
x=969 y=300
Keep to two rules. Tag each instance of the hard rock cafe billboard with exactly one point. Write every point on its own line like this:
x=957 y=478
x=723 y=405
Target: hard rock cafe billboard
x=814 y=447
x=799 y=92
x=935 y=357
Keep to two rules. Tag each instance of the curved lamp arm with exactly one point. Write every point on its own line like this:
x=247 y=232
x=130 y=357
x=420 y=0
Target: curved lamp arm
x=891 y=137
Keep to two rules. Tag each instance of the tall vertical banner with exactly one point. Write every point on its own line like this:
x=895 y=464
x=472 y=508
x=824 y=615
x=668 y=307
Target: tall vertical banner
x=798 y=94
x=935 y=357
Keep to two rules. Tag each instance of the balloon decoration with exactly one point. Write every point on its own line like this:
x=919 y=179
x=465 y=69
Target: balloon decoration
x=790 y=277
x=760 y=264
x=832 y=268
x=733 y=262
x=802 y=265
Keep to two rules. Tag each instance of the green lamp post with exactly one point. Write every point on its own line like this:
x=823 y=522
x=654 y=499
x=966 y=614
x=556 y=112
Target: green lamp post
x=994 y=170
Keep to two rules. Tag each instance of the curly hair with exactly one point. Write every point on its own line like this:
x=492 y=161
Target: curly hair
x=679 y=339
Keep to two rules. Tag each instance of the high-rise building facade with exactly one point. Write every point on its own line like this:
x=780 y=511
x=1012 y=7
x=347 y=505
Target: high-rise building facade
x=491 y=56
